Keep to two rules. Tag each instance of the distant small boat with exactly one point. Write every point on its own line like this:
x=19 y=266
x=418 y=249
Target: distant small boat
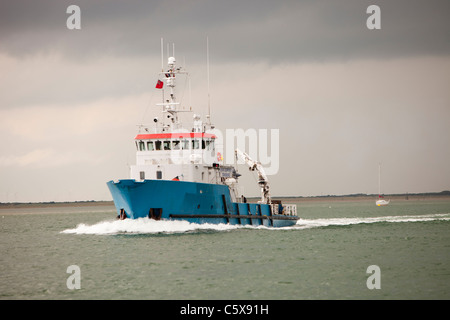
x=381 y=201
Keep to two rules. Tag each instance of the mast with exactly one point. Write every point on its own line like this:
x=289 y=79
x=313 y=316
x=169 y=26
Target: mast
x=379 y=180
x=170 y=105
x=162 y=55
x=207 y=71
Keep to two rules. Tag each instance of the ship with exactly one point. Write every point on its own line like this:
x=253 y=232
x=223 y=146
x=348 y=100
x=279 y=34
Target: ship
x=179 y=175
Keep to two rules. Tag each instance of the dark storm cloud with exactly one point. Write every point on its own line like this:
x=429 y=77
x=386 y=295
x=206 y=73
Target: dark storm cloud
x=277 y=31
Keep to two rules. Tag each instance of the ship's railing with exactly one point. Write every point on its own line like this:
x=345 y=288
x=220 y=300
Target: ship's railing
x=275 y=207
x=286 y=209
x=289 y=209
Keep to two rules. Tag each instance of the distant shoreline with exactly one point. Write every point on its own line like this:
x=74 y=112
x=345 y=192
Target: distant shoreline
x=444 y=195
x=343 y=198
x=11 y=205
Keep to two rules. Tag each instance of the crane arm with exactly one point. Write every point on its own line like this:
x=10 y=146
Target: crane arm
x=262 y=178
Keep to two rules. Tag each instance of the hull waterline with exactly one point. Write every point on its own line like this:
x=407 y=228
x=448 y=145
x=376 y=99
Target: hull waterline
x=191 y=201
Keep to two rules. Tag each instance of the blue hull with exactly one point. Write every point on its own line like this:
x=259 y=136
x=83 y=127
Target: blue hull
x=191 y=201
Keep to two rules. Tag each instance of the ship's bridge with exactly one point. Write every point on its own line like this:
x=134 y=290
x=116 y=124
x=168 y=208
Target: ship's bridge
x=175 y=141
x=188 y=156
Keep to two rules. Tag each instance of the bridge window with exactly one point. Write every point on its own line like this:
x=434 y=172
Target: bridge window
x=195 y=144
x=185 y=144
x=176 y=144
x=150 y=145
x=166 y=145
x=141 y=146
x=157 y=145
x=203 y=144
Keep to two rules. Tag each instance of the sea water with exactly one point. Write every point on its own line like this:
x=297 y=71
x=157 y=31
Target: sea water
x=326 y=255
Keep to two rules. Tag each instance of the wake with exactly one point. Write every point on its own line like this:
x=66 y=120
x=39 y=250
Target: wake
x=148 y=226
x=316 y=223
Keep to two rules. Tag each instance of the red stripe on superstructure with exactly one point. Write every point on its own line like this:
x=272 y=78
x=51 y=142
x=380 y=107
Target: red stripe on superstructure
x=174 y=135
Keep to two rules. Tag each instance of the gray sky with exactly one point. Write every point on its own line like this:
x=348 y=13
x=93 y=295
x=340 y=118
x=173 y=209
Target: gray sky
x=343 y=97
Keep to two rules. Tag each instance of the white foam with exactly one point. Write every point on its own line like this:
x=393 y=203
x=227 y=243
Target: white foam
x=148 y=226
x=144 y=226
x=315 y=223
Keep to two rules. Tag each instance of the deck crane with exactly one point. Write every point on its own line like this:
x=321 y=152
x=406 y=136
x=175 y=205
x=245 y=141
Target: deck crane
x=262 y=178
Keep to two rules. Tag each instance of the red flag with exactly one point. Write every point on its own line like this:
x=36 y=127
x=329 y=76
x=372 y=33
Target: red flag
x=159 y=84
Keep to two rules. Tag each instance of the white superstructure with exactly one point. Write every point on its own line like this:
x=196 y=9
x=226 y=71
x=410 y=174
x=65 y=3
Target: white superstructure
x=167 y=150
